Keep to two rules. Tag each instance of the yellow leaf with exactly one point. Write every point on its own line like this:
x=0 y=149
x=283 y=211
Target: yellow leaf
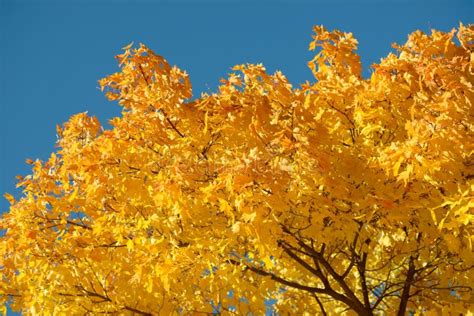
x=130 y=245
x=249 y=217
x=206 y=121
x=227 y=209
x=396 y=166
x=268 y=262
x=9 y=198
x=307 y=101
x=128 y=46
x=73 y=196
x=149 y=287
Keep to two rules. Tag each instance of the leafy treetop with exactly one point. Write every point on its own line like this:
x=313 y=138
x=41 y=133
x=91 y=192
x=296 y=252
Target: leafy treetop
x=346 y=195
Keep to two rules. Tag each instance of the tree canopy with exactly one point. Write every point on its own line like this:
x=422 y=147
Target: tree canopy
x=344 y=195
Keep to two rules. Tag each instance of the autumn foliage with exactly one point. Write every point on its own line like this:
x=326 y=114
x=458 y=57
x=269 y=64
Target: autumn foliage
x=345 y=195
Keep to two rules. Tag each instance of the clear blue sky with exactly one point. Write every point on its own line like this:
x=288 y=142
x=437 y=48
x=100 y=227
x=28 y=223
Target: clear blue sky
x=52 y=54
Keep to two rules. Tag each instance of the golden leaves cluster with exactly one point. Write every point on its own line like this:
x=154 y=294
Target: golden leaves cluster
x=186 y=205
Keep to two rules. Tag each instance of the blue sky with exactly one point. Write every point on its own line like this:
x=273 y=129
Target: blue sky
x=52 y=54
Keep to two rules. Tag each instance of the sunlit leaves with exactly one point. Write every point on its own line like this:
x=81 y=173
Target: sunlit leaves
x=344 y=194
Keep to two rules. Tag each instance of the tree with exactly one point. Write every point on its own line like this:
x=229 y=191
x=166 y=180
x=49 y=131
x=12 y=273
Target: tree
x=346 y=195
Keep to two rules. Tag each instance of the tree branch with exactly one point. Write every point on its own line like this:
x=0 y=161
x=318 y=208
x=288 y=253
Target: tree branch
x=406 y=287
x=350 y=298
x=278 y=279
x=321 y=306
